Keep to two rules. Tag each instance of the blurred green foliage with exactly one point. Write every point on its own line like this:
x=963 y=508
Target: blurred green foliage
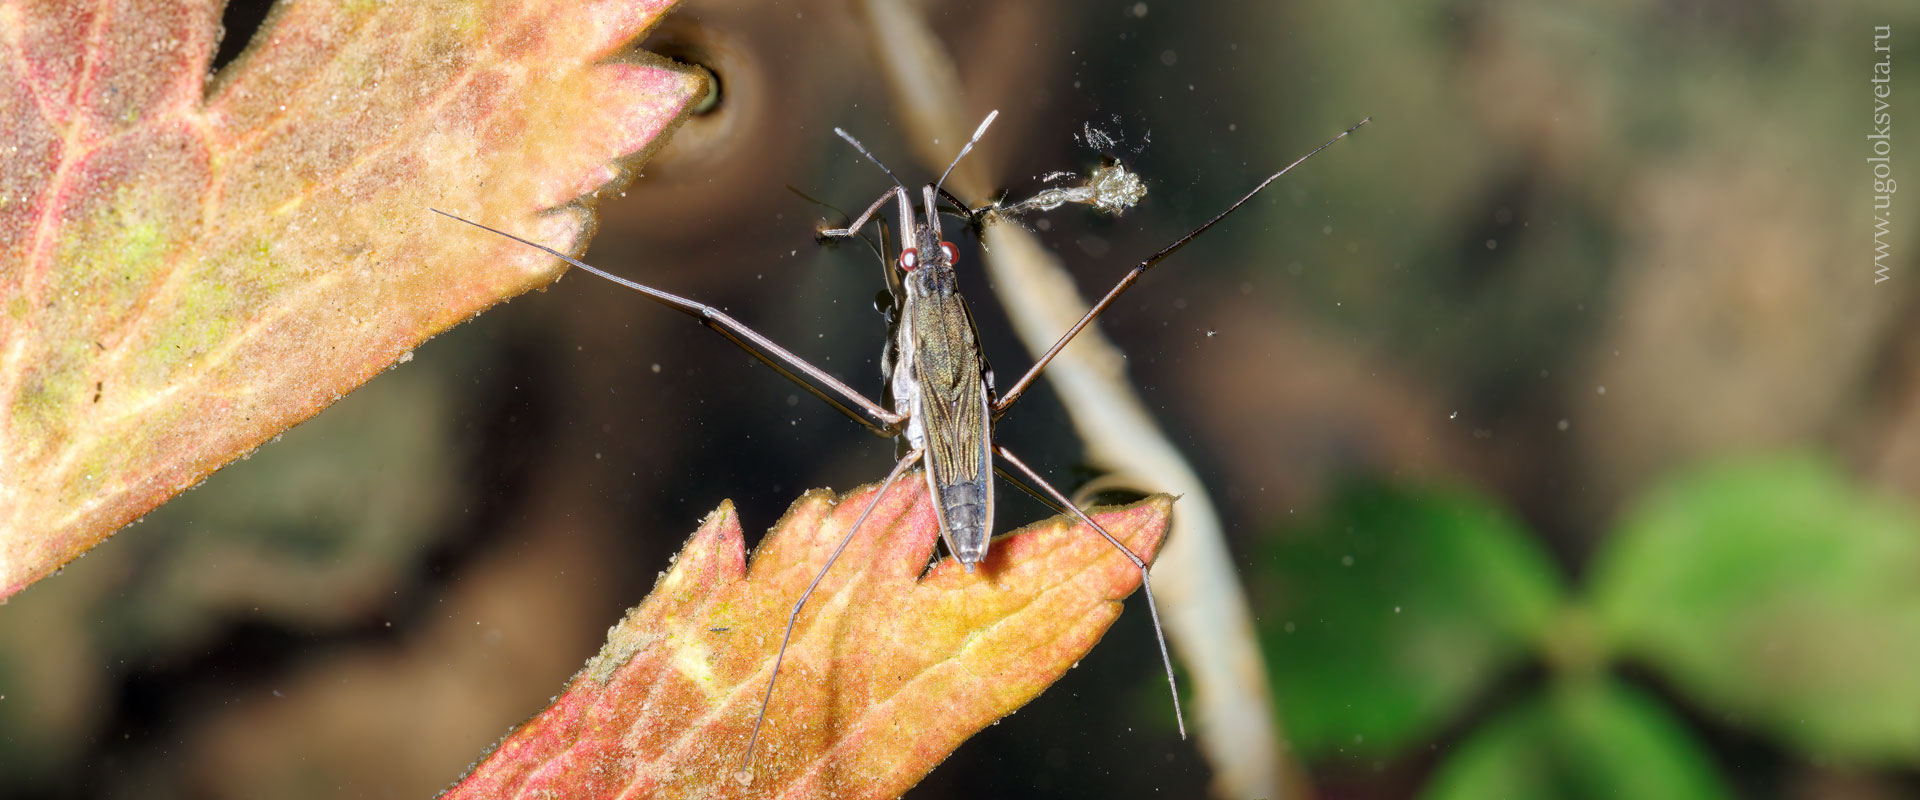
x=1585 y=739
x=1774 y=594
x=1393 y=609
x=1780 y=594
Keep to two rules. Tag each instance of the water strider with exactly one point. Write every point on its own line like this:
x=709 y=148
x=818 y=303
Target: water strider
x=944 y=402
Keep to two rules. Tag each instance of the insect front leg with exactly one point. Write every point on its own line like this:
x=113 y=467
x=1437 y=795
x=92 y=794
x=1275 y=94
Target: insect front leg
x=853 y=228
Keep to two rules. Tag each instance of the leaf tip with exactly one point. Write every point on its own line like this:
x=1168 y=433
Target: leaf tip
x=1162 y=504
x=716 y=553
x=1148 y=520
x=718 y=516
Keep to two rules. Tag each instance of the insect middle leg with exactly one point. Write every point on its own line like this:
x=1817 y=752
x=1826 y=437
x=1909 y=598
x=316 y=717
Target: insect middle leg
x=871 y=415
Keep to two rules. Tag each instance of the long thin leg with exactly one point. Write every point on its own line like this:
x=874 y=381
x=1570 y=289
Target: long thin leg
x=1145 y=586
x=882 y=421
x=794 y=615
x=906 y=222
x=879 y=250
x=853 y=228
x=1031 y=492
x=811 y=389
x=1012 y=394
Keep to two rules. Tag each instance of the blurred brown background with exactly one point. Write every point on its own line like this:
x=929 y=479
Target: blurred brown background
x=1578 y=248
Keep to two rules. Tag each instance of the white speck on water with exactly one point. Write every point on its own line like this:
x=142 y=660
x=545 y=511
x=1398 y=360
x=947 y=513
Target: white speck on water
x=1454 y=415
x=1563 y=425
x=1599 y=390
x=1140 y=10
x=1169 y=58
x=656 y=369
x=1493 y=244
x=1346 y=561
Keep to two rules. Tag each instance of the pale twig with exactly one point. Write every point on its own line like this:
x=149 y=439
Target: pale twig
x=1207 y=616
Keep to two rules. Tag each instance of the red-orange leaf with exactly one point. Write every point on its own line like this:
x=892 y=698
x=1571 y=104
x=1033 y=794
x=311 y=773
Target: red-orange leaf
x=185 y=270
x=888 y=672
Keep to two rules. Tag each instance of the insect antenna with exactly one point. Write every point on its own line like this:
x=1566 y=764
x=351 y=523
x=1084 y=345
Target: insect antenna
x=965 y=149
x=936 y=190
x=870 y=156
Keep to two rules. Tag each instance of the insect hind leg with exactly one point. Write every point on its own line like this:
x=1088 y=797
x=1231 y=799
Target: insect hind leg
x=1146 y=585
x=793 y=616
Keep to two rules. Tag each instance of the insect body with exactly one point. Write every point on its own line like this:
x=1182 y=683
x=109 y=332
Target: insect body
x=940 y=382
x=943 y=396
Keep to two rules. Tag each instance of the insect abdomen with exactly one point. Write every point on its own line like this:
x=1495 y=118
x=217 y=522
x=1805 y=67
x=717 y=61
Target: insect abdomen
x=968 y=511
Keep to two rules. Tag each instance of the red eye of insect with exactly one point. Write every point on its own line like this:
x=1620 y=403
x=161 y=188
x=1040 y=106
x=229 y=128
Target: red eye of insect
x=909 y=258
x=953 y=254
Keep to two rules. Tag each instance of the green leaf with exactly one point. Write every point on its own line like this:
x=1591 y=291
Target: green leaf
x=1584 y=739
x=1780 y=594
x=1391 y=609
